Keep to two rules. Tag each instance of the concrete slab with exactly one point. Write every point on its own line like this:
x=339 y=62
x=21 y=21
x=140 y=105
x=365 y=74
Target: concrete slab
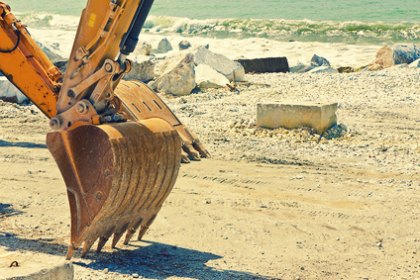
x=265 y=65
x=320 y=117
x=34 y=266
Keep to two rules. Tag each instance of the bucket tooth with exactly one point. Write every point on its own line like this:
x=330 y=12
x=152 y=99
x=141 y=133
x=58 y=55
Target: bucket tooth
x=144 y=228
x=184 y=157
x=101 y=243
x=104 y=239
x=142 y=232
x=118 y=235
x=70 y=252
x=131 y=231
x=86 y=247
x=189 y=149
x=198 y=146
x=115 y=175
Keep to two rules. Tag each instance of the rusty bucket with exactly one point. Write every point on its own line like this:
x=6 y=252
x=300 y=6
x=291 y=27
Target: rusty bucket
x=117 y=177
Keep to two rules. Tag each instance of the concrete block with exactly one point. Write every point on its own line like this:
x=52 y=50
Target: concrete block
x=320 y=117
x=34 y=266
x=265 y=65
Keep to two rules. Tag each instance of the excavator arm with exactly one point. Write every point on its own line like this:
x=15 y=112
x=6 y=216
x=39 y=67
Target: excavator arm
x=26 y=65
x=117 y=144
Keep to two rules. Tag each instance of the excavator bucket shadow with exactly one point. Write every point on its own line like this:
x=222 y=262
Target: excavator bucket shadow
x=117 y=177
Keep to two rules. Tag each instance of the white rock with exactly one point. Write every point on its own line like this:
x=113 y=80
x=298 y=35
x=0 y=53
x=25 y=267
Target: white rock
x=50 y=54
x=207 y=77
x=323 y=69
x=10 y=93
x=179 y=80
x=142 y=71
x=169 y=62
x=229 y=68
x=415 y=64
x=164 y=46
x=301 y=68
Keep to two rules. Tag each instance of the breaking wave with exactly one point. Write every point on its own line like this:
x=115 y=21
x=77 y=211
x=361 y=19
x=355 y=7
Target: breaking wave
x=353 y=32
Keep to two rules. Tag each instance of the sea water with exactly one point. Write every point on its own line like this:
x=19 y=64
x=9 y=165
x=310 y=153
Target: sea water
x=351 y=21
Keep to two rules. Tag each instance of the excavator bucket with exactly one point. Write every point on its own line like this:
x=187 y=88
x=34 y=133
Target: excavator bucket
x=117 y=177
x=140 y=102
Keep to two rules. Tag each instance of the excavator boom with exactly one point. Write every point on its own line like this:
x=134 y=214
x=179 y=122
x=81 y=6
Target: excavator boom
x=117 y=144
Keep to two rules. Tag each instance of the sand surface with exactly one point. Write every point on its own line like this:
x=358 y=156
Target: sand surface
x=269 y=204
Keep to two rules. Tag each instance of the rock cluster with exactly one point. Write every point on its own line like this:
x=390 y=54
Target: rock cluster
x=318 y=64
x=397 y=55
x=181 y=72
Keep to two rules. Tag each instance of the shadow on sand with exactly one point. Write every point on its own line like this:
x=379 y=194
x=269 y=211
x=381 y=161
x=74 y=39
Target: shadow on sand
x=6 y=210
x=152 y=260
x=28 y=145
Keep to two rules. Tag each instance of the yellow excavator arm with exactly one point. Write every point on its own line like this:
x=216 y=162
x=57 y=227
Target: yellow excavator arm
x=25 y=64
x=117 y=144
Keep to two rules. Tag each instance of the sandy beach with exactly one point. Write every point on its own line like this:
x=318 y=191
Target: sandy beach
x=339 y=54
x=269 y=204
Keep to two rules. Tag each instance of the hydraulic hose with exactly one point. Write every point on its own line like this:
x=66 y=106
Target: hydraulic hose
x=131 y=38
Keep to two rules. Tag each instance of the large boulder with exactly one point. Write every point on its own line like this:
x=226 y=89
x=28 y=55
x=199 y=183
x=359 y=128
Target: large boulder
x=9 y=93
x=406 y=53
x=143 y=71
x=167 y=63
x=164 y=46
x=399 y=54
x=54 y=57
x=207 y=77
x=179 y=80
x=232 y=70
x=317 y=61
